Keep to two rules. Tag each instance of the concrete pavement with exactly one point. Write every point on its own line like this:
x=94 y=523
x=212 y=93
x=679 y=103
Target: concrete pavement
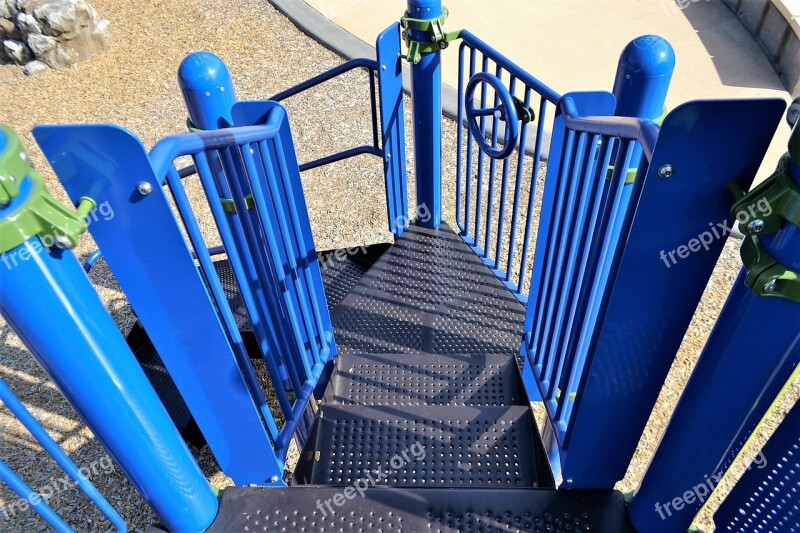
x=575 y=44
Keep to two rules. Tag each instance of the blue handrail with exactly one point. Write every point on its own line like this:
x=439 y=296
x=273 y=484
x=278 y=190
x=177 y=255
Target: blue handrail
x=276 y=283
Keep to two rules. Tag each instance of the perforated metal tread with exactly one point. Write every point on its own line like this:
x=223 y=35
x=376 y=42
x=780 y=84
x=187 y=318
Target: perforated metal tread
x=341 y=270
x=422 y=379
x=311 y=509
x=432 y=447
x=429 y=293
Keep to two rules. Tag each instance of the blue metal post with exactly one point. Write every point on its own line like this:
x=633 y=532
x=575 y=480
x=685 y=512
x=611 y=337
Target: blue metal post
x=643 y=77
x=426 y=99
x=751 y=353
x=207 y=90
x=209 y=96
x=75 y=340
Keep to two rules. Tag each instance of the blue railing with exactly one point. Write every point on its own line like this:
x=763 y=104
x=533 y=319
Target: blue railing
x=497 y=237
x=371 y=67
x=588 y=206
x=266 y=234
x=25 y=492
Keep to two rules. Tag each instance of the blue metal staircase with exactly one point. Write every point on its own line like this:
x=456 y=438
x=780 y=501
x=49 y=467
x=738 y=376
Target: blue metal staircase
x=425 y=396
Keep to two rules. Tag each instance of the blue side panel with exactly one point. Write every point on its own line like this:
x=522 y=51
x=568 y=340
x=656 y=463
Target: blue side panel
x=767 y=498
x=390 y=81
x=652 y=302
x=598 y=103
x=144 y=247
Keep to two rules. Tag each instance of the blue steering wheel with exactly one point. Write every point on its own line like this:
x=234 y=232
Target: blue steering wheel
x=505 y=111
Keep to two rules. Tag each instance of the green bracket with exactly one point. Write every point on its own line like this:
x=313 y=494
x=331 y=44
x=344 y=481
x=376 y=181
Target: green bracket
x=765 y=275
x=772 y=202
x=39 y=214
x=437 y=40
x=229 y=206
x=525 y=114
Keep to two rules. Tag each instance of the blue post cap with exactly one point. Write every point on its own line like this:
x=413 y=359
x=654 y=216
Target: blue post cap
x=207 y=90
x=643 y=77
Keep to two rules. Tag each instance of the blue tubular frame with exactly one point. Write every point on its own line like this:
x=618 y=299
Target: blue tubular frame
x=371 y=67
x=88 y=359
x=294 y=302
x=389 y=143
x=56 y=452
x=478 y=234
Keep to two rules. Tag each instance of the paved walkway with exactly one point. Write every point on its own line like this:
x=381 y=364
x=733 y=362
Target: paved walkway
x=575 y=44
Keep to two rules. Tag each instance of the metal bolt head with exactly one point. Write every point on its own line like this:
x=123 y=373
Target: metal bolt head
x=770 y=287
x=144 y=188
x=23 y=156
x=666 y=171
x=64 y=242
x=756 y=226
x=274 y=479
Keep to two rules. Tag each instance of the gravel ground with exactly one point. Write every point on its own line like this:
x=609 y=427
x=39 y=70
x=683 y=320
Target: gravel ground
x=134 y=85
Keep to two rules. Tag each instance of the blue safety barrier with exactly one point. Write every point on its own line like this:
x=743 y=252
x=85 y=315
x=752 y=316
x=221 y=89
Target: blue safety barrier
x=597 y=251
x=496 y=237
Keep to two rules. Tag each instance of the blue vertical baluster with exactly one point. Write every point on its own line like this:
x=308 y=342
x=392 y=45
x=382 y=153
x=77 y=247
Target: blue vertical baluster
x=473 y=56
x=523 y=140
x=512 y=87
x=492 y=171
x=426 y=98
x=481 y=159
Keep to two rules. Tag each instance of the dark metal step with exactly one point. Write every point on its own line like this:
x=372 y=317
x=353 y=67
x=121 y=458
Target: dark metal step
x=429 y=293
x=430 y=446
x=341 y=270
x=311 y=509
x=423 y=379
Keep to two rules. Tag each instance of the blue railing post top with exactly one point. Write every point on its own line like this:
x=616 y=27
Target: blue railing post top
x=425 y=9
x=207 y=90
x=648 y=56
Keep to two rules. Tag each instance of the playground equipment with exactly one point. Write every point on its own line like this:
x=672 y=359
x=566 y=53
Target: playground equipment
x=404 y=371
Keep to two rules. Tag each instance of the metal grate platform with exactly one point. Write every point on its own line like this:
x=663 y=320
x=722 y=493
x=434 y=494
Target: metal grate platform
x=311 y=509
x=415 y=379
x=341 y=270
x=430 y=447
x=429 y=293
